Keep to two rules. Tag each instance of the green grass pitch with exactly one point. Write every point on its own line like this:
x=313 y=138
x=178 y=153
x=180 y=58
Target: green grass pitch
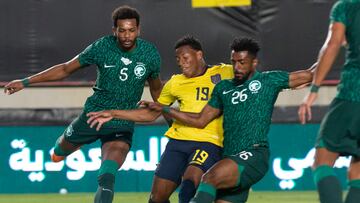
x=141 y=197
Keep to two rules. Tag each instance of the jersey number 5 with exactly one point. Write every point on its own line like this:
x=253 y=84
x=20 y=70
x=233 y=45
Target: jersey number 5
x=123 y=74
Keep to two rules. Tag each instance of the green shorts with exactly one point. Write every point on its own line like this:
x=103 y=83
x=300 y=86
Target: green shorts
x=340 y=128
x=79 y=132
x=255 y=164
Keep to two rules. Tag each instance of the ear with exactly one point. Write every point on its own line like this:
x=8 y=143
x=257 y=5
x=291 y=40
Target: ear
x=255 y=62
x=199 y=55
x=114 y=31
x=138 y=34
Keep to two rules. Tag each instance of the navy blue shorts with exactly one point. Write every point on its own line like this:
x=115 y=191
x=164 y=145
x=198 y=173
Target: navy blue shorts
x=179 y=154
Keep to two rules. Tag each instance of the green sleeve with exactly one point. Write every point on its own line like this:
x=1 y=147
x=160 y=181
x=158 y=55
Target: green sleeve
x=156 y=63
x=215 y=100
x=90 y=55
x=280 y=79
x=338 y=12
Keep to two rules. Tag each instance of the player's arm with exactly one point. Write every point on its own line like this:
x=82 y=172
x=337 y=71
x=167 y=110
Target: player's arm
x=155 y=87
x=137 y=115
x=198 y=120
x=301 y=78
x=56 y=72
x=329 y=51
x=327 y=55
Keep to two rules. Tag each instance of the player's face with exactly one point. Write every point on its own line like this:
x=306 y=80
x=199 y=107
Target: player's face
x=244 y=65
x=126 y=32
x=189 y=60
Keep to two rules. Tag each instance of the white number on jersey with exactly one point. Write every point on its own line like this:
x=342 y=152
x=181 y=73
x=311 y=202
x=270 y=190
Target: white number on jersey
x=123 y=74
x=245 y=155
x=239 y=96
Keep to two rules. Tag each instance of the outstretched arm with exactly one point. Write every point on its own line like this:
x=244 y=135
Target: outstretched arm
x=198 y=120
x=137 y=115
x=327 y=56
x=302 y=77
x=57 y=72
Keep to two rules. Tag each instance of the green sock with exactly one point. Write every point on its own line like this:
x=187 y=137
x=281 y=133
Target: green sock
x=205 y=193
x=106 y=180
x=353 y=195
x=328 y=185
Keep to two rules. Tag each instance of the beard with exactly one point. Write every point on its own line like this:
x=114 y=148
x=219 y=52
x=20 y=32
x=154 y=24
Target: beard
x=239 y=81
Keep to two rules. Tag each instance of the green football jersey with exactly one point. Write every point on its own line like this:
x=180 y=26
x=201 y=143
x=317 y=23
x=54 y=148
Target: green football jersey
x=121 y=75
x=247 y=109
x=348 y=13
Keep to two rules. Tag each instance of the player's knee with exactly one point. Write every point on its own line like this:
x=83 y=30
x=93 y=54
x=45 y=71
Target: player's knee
x=210 y=178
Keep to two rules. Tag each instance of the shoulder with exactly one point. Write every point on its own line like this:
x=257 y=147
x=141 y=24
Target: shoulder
x=177 y=78
x=224 y=83
x=144 y=44
x=274 y=73
x=109 y=39
x=220 y=67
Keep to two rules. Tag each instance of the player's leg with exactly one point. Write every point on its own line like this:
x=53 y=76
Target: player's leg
x=190 y=182
x=168 y=172
x=203 y=156
x=62 y=149
x=161 y=190
x=327 y=183
x=353 y=195
x=69 y=141
x=354 y=169
x=230 y=179
x=335 y=138
x=223 y=174
x=114 y=150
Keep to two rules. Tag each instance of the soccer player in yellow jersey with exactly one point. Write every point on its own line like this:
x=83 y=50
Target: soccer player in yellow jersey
x=190 y=151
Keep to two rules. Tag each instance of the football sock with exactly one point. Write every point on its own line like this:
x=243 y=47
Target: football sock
x=353 y=195
x=187 y=191
x=328 y=185
x=205 y=193
x=106 y=180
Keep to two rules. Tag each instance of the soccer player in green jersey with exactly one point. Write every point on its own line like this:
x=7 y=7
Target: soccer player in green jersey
x=246 y=102
x=124 y=63
x=339 y=133
x=190 y=151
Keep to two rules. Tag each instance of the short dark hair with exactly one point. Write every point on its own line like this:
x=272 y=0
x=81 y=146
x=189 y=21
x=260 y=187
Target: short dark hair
x=190 y=41
x=245 y=44
x=125 y=12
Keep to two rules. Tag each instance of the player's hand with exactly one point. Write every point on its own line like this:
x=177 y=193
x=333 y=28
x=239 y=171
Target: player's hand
x=143 y=103
x=99 y=118
x=13 y=86
x=150 y=105
x=304 y=111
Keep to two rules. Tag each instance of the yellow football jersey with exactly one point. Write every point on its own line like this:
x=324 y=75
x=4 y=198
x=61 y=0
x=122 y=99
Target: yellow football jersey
x=192 y=94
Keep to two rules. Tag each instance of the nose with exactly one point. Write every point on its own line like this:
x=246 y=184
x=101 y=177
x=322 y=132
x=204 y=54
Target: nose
x=237 y=66
x=127 y=34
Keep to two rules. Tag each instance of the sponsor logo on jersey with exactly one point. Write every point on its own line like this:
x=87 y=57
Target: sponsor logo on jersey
x=215 y=78
x=108 y=66
x=254 y=86
x=126 y=61
x=139 y=70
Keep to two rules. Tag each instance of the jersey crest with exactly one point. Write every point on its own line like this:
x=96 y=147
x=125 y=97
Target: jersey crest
x=215 y=78
x=139 y=70
x=254 y=86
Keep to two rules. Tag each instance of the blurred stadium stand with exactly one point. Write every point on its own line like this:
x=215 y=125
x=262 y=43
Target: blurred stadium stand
x=36 y=34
